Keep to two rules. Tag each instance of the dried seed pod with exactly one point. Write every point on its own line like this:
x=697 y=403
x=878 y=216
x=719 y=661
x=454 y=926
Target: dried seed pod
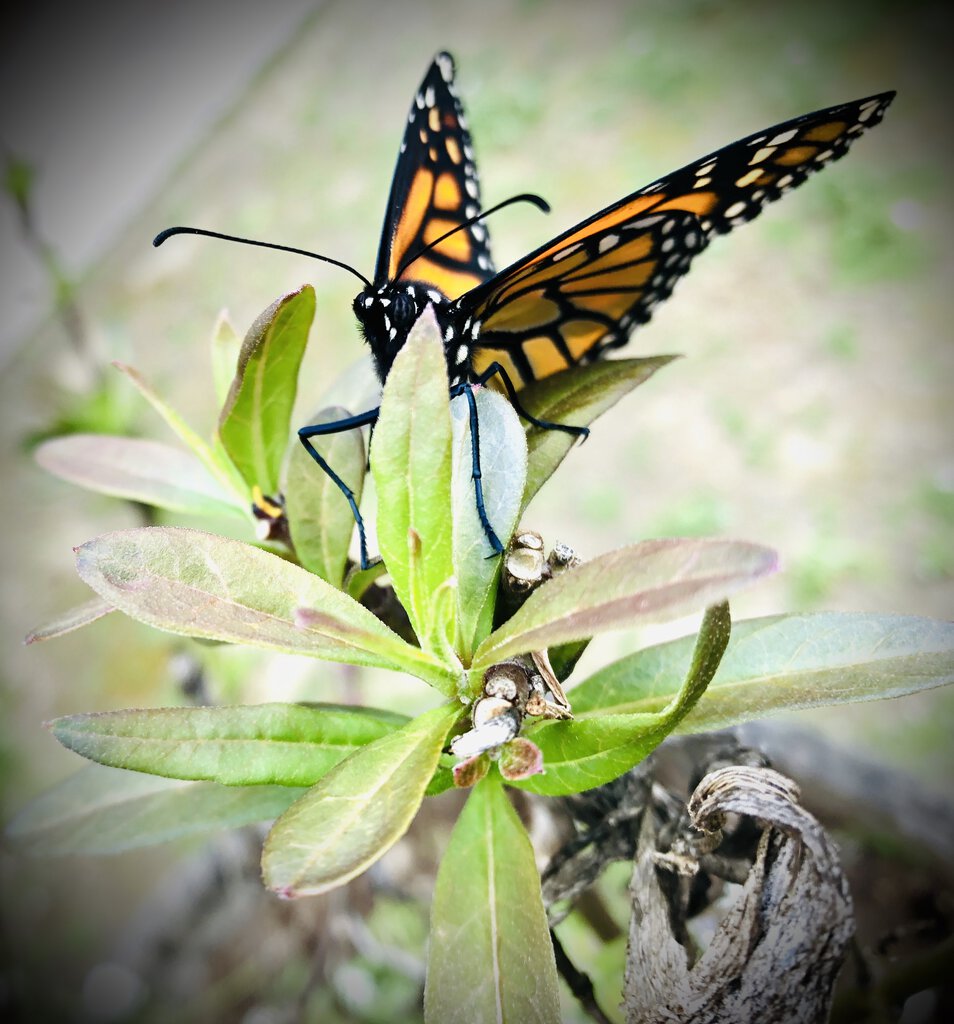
x=488 y=708
x=561 y=558
x=524 y=568
x=495 y=722
x=508 y=679
x=528 y=539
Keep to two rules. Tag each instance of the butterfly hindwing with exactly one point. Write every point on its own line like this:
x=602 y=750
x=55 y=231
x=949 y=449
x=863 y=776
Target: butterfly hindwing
x=435 y=189
x=586 y=290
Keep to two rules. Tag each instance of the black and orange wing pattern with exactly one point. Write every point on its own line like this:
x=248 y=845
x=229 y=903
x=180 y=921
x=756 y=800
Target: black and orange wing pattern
x=587 y=290
x=435 y=189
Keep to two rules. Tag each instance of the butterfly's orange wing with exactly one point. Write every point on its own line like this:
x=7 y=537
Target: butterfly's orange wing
x=435 y=189
x=586 y=291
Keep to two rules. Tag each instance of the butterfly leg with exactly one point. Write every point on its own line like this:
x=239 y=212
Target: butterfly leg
x=468 y=390
x=337 y=427
x=495 y=369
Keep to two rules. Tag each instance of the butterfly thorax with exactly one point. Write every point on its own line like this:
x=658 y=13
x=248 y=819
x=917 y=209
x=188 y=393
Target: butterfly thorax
x=386 y=314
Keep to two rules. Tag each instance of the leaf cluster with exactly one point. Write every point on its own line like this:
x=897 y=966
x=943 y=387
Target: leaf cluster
x=344 y=783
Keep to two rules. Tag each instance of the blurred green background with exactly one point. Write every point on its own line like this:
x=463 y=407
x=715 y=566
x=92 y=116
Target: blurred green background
x=812 y=411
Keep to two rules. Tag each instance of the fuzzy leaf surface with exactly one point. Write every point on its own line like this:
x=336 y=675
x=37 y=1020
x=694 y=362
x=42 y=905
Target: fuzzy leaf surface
x=590 y=751
x=503 y=465
x=262 y=744
x=575 y=397
x=256 y=418
x=490 y=958
x=225 y=348
x=105 y=810
x=654 y=581
x=137 y=470
x=357 y=811
x=411 y=464
x=782 y=663
x=201 y=585
x=74 y=618
x=319 y=516
x=217 y=465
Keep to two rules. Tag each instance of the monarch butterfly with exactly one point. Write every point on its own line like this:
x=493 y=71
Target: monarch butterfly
x=578 y=295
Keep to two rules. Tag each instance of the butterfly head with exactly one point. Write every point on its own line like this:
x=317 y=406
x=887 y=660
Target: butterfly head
x=386 y=314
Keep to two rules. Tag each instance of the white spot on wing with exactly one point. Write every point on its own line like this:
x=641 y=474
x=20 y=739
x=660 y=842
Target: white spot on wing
x=563 y=253
x=762 y=154
x=783 y=137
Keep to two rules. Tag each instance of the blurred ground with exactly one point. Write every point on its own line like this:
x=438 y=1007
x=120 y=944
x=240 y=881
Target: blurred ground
x=812 y=412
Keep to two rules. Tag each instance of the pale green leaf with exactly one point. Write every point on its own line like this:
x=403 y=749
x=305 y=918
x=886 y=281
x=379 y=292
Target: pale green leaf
x=218 y=466
x=262 y=744
x=226 y=345
x=411 y=465
x=256 y=419
x=201 y=585
x=490 y=958
x=655 y=581
x=575 y=397
x=781 y=663
x=503 y=464
x=74 y=618
x=105 y=810
x=319 y=516
x=138 y=470
x=357 y=811
x=591 y=751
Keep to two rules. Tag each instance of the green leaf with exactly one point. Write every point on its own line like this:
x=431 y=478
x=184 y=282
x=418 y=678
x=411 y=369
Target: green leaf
x=105 y=810
x=357 y=811
x=588 y=752
x=226 y=346
x=490 y=958
x=503 y=464
x=654 y=581
x=256 y=418
x=75 y=618
x=138 y=470
x=576 y=397
x=264 y=744
x=782 y=663
x=411 y=465
x=219 y=467
x=200 y=585
x=319 y=515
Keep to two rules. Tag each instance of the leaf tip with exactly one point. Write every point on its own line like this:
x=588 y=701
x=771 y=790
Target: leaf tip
x=520 y=759
x=470 y=771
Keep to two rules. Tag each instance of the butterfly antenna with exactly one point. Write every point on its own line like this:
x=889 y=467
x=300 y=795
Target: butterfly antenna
x=169 y=232
x=525 y=197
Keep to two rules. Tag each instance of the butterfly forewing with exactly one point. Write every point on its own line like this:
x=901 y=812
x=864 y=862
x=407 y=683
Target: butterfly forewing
x=434 y=190
x=586 y=290
x=588 y=295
